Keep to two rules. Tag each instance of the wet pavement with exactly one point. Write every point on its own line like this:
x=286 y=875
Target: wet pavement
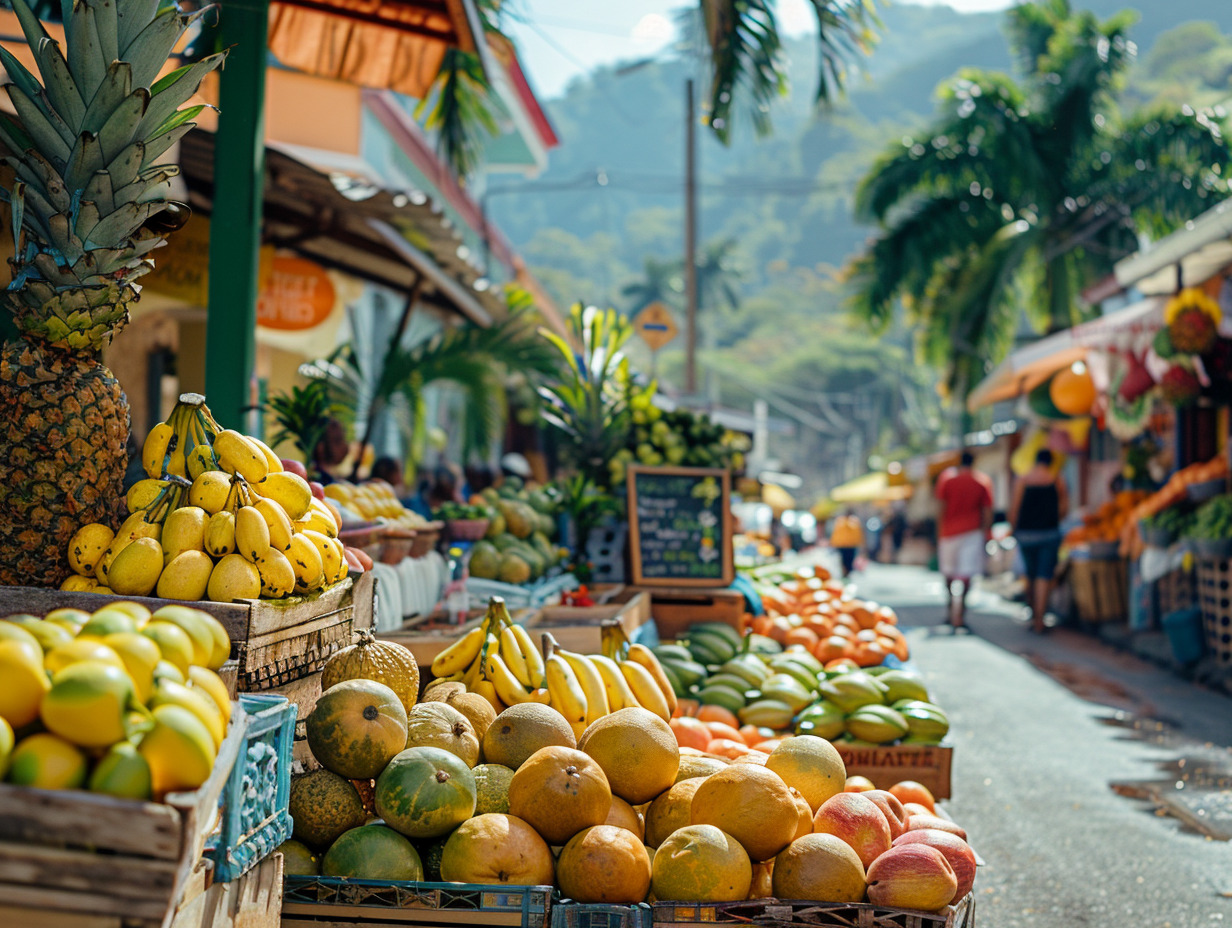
x=1095 y=785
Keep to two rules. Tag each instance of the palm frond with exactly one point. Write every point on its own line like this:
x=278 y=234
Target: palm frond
x=746 y=58
x=460 y=109
x=846 y=29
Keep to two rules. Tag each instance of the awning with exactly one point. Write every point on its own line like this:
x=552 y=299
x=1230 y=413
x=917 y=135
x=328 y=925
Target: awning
x=871 y=488
x=1201 y=248
x=348 y=223
x=389 y=44
x=1028 y=367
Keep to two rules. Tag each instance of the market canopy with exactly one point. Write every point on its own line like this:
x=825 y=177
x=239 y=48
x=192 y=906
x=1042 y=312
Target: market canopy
x=1031 y=366
x=1189 y=256
x=871 y=488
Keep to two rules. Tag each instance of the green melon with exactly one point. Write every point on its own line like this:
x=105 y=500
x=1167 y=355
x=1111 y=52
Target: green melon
x=323 y=805
x=372 y=852
x=430 y=852
x=425 y=792
x=492 y=788
x=298 y=859
x=356 y=727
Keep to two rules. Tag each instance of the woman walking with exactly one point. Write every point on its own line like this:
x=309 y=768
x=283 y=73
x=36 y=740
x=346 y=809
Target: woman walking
x=1040 y=503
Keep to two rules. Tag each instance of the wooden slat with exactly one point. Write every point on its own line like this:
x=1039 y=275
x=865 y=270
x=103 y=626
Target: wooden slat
x=28 y=917
x=252 y=901
x=143 y=829
x=83 y=871
x=348 y=916
x=272 y=615
x=99 y=903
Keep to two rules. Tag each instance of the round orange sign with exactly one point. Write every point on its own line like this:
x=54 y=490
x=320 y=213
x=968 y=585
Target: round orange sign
x=297 y=294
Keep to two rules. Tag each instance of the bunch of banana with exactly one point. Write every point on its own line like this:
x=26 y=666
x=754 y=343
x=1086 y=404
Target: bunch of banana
x=236 y=527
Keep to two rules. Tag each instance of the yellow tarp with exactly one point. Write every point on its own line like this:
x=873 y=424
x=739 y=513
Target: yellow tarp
x=871 y=488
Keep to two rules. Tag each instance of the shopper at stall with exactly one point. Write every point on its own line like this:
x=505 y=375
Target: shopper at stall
x=1040 y=502
x=330 y=452
x=964 y=498
x=390 y=470
x=847 y=537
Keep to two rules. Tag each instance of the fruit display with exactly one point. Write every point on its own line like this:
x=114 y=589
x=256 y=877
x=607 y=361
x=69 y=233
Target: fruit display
x=1170 y=496
x=121 y=701
x=680 y=438
x=1212 y=521
x=1107 y=522
x=518 y=546
x=88 y=184
x=217 y=518
x=373 y=501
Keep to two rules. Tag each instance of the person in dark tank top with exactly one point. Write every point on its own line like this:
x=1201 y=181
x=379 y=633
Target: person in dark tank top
x=1039 y=504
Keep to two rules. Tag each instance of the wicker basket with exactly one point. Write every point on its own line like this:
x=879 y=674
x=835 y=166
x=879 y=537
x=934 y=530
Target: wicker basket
x=1215 y=595
x=466 y=529
x=426 y=538
x=397 y=545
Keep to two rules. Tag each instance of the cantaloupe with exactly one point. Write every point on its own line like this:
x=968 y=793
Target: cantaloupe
x=323 y=805
x=356 y=728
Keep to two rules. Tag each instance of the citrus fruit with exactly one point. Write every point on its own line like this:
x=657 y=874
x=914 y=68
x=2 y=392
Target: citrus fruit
x=819 y=866
x=670 y=811
x=811 y=765
x=700 y=863
x=47 y=761
x=604 y=864
x=521 y=730
x=559 y=791
x=87 y=704
x=179 y=750
x=912 y=791
x=25 y=682
x=122 y=772
x=497 y=848
x=623 y=815
x=750 y=803
x=637 y=751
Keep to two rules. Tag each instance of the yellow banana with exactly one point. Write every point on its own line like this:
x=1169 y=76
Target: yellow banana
x=276 y=519
x=542 y=695
x=459 y=655
x=507 y=686
x=619 y=696
x=485 y=689
x=511 y=652
x=271 y=460
x=530 y=654
x=640 y=654
x=220 y=534
x=645 y=689
x=154 y=450
x=592 y=684
x=568 y=697
x=238 y=455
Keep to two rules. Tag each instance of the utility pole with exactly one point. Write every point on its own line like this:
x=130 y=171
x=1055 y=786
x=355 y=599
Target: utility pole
x=690 y=241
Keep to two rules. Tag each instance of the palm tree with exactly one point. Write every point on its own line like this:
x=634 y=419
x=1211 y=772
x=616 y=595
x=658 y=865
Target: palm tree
x=660 y=283
x=718 y=273
x=1021 y=191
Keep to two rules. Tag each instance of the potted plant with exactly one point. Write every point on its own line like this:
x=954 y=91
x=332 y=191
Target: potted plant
x=1211 y=532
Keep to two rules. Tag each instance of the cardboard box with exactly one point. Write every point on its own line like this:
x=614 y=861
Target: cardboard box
x=580 y=628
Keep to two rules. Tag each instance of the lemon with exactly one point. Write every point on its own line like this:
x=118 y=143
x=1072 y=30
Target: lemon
x=81 y=649
x=211 y=684
x=140 y=656
x=48 y=762
x=49 y=636
x=172 y=641
x=191 y=623
x=71 y=619
x=10 y=631
x=122 y=772
x=6 y=746
x=25 y=682
x=169 y=693
x=178 y=749
x=108 y=622
x=139 y=613
x=88 y=704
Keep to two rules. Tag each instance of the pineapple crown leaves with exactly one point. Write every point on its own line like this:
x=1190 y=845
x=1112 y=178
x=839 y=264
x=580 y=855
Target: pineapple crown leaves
x=85 y=151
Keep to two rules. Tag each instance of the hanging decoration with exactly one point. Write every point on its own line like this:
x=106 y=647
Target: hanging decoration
x=1072 y=390
x=1192 y=319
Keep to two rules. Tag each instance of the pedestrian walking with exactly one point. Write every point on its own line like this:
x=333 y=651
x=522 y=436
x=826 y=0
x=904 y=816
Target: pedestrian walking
x=1040 y=502
x=847 y=537
x=964 y=496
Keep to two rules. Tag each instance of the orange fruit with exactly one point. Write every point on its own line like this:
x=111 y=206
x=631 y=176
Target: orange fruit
x=700 y=863
x=728 y=747
x=724 y=730
x=811 y=765
x=637 y=751
x=858 y=784
x=831 y=649
x=690 y=733
x=604 y=864
x=906 y=791
x=558 y=792
x=718 y=714
x=805 y=811
x=750 y=803
x=819 y=866
x=623 y=815
x=802 y=635
x=753 y=735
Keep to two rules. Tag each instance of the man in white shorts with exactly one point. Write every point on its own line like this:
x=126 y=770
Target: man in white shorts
x=964 y=497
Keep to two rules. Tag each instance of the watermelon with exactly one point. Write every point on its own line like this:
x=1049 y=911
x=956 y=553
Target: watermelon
x=323 y=805
x=430 y=853
x=297 y=859
x=356 y=727
x=372 y=852
x=425 y=792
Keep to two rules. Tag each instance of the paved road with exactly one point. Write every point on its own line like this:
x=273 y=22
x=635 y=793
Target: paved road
x=1034 y=761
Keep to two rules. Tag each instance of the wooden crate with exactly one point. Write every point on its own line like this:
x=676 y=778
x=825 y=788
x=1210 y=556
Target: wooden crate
x=580 y=628
x=1100 y=589
x=674 y=610
x=84 y=860
x=252 y=901
x=885 y=765
x=273 y=641
x=784 y=913
x=427 y=636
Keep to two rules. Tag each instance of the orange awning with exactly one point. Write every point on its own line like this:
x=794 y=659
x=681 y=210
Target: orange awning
x=388 y=44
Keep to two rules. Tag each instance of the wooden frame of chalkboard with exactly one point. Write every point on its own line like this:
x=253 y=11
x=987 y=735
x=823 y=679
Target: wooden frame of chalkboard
x=639 y=562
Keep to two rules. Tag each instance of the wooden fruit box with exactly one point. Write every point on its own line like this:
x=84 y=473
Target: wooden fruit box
x=337 y=902
x=886 y=764
x=1100 y=589
x=674 y=610
x=70 y=855
x=427 y=636
x=252 y=901
x=784 y=913
x=580 y=628
x=274 y=641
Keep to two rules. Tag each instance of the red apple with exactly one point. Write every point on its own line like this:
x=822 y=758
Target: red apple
x=295 y=467
x=317 y=490
x=891 y=808
x=957 y=851
x=912 y=876
x=352 y=560
x=919 y=822
x=856 y=820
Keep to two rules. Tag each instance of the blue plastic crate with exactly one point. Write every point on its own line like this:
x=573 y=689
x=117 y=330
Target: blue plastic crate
x=253 y=808
x=313 y=897
x=569 y=914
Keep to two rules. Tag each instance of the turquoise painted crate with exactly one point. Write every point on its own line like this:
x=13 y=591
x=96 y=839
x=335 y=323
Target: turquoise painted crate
x=253 y=808
x=331 y=900
x=569 y=914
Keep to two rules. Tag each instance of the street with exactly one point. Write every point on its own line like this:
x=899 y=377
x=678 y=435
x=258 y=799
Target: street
x=1036 y=756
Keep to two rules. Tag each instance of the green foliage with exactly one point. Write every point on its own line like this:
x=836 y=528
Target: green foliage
x=460 y=110
x=1213 y=519
x=302 y=415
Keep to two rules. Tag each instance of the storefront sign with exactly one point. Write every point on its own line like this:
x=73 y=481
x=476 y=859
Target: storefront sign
x=297 y=295
x=182 y=265
x=679 y=526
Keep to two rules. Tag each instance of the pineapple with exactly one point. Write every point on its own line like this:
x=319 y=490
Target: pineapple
x=85 y=154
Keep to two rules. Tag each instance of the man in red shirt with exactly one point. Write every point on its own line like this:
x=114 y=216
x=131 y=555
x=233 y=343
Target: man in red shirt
x=964 y=496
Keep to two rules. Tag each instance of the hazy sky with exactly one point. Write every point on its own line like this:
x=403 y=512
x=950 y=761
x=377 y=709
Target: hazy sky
x=565 y=38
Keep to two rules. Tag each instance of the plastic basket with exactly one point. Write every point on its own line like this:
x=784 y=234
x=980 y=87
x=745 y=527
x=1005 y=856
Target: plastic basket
x=313 y=897
x=783 y=913
x=254 y=819
x=1185 y=635
x=569 y=914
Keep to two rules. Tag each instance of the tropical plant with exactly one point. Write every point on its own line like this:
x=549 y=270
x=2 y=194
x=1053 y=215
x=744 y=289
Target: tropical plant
x=472 y=358
x=588 y=403
x=460 y=110
x=1021 y=192
x=660 y=283
x=587 y=507
x=90 y=201
x=302 y=415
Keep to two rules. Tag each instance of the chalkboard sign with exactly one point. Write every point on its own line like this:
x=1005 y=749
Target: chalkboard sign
x=679 y=526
